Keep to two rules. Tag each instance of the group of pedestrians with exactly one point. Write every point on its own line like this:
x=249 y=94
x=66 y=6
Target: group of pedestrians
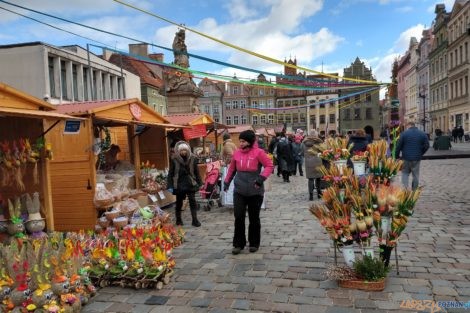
x=457 y=133
x=249 y=166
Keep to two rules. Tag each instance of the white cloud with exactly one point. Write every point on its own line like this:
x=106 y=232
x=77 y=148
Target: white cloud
x=272 y=35
x=448 y=3
x=359 y=43
x=239 y=10
x=405 y=9
x=403 y=41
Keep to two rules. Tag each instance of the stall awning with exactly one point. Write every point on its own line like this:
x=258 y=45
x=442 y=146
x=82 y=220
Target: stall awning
x=122 y=122
x=190 y=119
x=36 y=114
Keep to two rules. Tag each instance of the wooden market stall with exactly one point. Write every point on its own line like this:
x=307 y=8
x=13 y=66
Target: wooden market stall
x=137 y=129
x=25 y=117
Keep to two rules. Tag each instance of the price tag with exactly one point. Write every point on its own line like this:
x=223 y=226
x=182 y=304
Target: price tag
x=161 y=194
x=153 y=198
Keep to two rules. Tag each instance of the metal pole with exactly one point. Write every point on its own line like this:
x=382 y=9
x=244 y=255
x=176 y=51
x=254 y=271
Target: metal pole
x=424 y=113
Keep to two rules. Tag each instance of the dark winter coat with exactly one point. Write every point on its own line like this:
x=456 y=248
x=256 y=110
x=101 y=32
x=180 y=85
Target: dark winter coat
x=312 y=160
x=284 y=155
x=183 y=175
x=359 y=143
x=412 y=144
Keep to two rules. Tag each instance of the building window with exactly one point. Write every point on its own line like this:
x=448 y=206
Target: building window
x=254 y=103
x=215 y=109
x=261 y=104
x=347 y=114
x=235 y=90
x=228 y=105
x=322 y=119
x=357 y=114
x=261 y=92
x=280 y=118
x=322 y=105
x=295 y=117
x=263 y=119
x=63 y=80
x=216 y=119
x=295 y=102
x=254 y=119
x=228 y=120
x=368 y=97
x=288 y=118
x=332 y=118
x=302 y=117
x=280 y=104
x=75 y=81
x=243 y=120
x=235 y=105
x=52 y=77
x=235 y=120
x=270 y=103
x=271 y=119
x=313 y=121
x=86 y=82
x=368 y=113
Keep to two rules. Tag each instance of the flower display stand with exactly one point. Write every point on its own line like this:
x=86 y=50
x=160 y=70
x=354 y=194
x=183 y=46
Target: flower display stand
x=359 y=167
x=363 y=284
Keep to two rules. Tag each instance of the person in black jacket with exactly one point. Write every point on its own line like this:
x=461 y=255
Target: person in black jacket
x=184 y=180
x=359 y=141
x=285 y=157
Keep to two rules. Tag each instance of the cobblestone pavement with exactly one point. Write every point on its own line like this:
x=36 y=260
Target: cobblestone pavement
x=286 y=274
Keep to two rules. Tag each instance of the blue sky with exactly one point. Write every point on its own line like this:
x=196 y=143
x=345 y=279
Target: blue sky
x=316 y=32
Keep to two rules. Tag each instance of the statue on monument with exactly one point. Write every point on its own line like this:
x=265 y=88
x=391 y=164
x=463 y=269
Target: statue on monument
x=178 y=80
x=180 y=51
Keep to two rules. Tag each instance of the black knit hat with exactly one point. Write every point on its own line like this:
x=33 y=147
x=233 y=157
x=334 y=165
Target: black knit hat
x=248 y=135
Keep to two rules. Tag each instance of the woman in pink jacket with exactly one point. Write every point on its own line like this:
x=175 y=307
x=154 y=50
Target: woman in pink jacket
x=245 y=167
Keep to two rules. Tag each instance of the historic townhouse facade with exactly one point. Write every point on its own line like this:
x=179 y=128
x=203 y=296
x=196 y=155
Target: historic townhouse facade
x=422 y=74
x=213 y=99
x=323 y=113
x=359 y=110
x=236 y=102
x=411 y=90
x=262 y=97
x=288 y=100
x=459 y=66
x=65 y=74
x=438 y=79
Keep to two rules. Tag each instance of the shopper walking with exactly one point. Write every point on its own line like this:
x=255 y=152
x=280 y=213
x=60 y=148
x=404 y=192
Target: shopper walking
x=313 y=163
x=298 y=154
x=228 y=149
x=285 y=158
x=248 y=194
x=412 y=144
x=184 y=180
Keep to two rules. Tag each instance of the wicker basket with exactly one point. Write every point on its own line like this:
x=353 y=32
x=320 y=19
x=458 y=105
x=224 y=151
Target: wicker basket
x=105 y=203
x=363 y=285
x=110 y=215
x=120 y=222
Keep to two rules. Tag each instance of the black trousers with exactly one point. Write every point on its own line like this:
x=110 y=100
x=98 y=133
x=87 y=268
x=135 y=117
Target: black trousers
x=180 y=196
x=314 y=183
x=240 y=205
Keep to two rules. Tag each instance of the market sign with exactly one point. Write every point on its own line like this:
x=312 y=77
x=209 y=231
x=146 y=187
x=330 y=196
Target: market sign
x=72 y=127
x=195 y=132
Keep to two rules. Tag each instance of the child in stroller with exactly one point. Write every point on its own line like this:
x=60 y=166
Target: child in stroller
x=210 y=191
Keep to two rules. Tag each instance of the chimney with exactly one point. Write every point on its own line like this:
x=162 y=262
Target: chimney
x=157 y=57
x=140 y=49
x=107 y=54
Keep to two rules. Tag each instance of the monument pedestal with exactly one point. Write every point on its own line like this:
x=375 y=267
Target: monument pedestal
x=182 y=102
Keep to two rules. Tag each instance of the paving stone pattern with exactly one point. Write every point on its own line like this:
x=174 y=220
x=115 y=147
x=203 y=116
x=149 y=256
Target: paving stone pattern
x=286 y=274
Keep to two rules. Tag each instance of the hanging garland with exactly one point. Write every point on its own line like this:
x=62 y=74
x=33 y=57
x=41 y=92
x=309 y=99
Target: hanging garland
x=104 y=146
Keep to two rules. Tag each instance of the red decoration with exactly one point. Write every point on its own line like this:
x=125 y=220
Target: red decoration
x=136 y=111
x=195 y=132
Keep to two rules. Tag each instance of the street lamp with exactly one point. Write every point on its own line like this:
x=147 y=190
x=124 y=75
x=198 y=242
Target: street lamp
x=423 y=96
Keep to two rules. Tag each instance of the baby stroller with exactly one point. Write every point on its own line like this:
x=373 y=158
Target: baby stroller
x=210 y=191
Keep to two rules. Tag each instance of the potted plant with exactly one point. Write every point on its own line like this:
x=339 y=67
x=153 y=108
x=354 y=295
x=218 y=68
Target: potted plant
x=370 y=274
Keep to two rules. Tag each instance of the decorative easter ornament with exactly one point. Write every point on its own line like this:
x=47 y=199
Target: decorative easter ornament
x=35 y=223
x=15 y=227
